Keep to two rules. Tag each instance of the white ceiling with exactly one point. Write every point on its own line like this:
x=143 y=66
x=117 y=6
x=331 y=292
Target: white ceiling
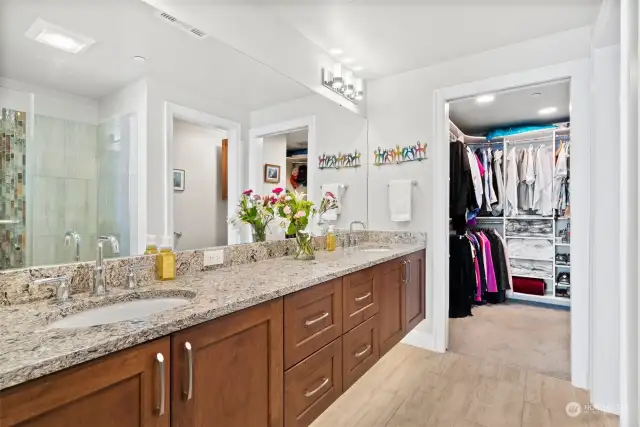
x=297 y=139
x=388 y=37
x=511 y=108
x=122 y=29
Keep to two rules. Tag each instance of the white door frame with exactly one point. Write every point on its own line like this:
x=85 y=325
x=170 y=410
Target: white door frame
x=256 y=145
x=175 y=111
x=579 y=73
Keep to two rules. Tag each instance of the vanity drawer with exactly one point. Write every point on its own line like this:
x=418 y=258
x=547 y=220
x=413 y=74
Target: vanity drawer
x=361 y=350
x=360 y=298
x=313 y=385
x=312 y=319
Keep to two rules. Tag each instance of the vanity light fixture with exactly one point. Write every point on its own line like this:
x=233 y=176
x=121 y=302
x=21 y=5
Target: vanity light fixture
x=343 y=82
x=485 y=99
x=58 y=37
x=547 y=110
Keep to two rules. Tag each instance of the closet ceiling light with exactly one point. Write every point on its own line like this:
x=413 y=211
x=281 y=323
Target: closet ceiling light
x=485 y=99
x=548 y=110
x=536 y=94
x=138 y=58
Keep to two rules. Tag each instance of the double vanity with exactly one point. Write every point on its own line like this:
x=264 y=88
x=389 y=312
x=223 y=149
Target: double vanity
x=271 y=343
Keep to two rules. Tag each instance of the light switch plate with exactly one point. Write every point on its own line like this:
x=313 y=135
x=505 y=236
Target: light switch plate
x=213 y=257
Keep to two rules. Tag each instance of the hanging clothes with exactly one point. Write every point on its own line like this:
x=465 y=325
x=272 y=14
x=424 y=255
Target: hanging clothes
x=522 y=178
x=560 y=187
x=459 y=183
x=497 y=168
x=530 y=177
x=511 y=190
x=543 y=191
x=476 y=176
x=462 y=274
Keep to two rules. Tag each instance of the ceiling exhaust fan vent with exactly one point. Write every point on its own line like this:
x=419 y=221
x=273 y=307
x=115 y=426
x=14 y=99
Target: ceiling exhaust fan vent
x=172 y=20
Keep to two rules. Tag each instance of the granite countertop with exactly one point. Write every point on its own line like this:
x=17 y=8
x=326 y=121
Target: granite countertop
x=29 y=350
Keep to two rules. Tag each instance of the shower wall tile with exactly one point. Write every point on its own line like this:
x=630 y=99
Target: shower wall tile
x=79 y=205
x=48 y=206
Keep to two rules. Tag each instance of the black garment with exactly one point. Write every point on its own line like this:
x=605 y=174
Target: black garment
x=485 y=209
x=461 y=277
x=459 y=184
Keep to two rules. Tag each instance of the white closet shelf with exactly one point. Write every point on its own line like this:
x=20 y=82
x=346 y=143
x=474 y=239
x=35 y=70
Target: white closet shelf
x=530 y=237
x=529 y=217
x=531 y=259
x=547 y=299
x=563 y=244
x=563 y=265
x=532 y=276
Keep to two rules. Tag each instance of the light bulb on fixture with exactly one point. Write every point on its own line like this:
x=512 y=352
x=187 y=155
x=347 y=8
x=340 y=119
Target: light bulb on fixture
x=348 y=80
x=359 y=89
x=337 y=82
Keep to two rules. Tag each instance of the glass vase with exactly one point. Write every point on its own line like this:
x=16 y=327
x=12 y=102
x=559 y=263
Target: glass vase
x=304 y=250
x=259 y=233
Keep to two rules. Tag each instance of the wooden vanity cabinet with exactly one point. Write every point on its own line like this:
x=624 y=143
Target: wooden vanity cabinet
x=415 y=289
x=392 y=318
x=122 y=389
x=229 y=372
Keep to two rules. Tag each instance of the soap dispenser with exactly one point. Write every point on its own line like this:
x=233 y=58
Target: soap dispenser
x=331 y=239
x=166 y=260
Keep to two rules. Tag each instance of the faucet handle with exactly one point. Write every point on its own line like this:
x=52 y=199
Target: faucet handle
x=132 y=278
x=61 y=284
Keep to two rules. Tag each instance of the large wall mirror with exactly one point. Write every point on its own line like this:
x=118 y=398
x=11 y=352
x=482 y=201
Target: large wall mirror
x=118 y=121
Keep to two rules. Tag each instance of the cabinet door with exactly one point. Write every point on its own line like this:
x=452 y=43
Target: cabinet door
x=124 y=389
x=360 y=297
x=390 y=276
x=228 y=372
x=415 y=289
x=312 y=318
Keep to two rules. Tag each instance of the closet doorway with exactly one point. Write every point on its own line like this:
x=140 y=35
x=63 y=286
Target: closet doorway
x=509 y=279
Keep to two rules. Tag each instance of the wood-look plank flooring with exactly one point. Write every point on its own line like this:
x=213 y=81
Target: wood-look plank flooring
x=413 y=387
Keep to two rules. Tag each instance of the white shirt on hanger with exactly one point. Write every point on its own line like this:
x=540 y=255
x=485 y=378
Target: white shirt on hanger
x=511 y=203
x=530 y=177
x=542 y=197
x=497 y=161
x=476 y=177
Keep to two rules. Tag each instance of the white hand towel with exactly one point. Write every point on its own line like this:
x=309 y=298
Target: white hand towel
x=332 y=215
x=400 y=199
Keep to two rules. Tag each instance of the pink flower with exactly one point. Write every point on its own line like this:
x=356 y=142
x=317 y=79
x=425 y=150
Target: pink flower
x=256 y=197
x=247 y=192
x=287 y=210
x=278 y=190
x=299 y=214
x=330 y=195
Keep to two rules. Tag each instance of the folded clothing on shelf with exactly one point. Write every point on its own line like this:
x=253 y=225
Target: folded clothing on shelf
x=527 y=285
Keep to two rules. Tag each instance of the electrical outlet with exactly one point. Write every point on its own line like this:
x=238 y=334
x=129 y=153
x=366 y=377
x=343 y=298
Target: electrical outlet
x=213 y=258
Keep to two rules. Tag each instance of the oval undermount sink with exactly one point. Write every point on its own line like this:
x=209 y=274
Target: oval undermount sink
x=118 y=312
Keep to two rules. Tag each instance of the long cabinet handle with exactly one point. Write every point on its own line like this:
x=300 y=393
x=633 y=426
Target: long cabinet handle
x=160 y=364
x=308 y=393
x=362 y=352
x=188 y=352
x=410 y=272
x=404 y=271
x=317 y=319
x=363 y=297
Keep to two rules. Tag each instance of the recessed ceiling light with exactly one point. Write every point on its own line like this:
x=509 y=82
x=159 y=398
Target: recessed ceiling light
x=547 y=110
x=348 y=60
x=138 y=58
x=58 y=37
x=536 y=94
x=357 y=68
x=485 y=99
x=335 y=51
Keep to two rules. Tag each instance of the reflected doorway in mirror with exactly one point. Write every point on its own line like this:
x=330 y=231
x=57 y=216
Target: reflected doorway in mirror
x=271 y=173
x=178 y=179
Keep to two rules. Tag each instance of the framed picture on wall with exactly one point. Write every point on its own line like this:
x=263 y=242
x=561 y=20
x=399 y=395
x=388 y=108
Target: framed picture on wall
x=178 y=180
x=271 y=173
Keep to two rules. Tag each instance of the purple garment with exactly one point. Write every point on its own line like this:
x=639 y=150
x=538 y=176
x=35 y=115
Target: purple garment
x=492 y=286
x=476 y=245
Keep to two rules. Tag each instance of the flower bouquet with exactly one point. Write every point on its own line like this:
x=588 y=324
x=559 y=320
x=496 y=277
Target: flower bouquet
x=295 y=210
x=257 y=211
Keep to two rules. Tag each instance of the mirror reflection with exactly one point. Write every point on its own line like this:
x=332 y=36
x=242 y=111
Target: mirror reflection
x=118 y=123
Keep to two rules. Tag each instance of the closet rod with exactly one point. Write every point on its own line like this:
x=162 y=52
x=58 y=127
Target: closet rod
x=531 y=140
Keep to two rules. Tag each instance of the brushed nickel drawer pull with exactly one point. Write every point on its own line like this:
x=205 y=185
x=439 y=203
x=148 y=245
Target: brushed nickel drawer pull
x=325 y=381
x=361 y=353
x=188 y=393
x=317 y=319
x=160 y=363
x=363 y=297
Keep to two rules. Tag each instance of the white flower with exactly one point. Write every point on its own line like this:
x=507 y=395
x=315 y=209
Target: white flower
x=287 y=210
x=287 y=199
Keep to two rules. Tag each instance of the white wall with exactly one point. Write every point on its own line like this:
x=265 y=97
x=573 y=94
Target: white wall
x=274 y=152
x=199 y=211
x=337 y=130
x=605 y=305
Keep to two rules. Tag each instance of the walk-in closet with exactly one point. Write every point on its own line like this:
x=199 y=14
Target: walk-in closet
x=510 y=227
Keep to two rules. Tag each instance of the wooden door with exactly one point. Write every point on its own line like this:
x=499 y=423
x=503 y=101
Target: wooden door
x=124 y=389
x=392 y=322
x=415 y=289
x=224 y=169
x=229 y=372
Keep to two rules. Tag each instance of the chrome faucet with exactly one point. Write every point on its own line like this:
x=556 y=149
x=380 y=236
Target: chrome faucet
x=73 y=235
x=353 y=240
x=61 y=285
x=99 y=282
